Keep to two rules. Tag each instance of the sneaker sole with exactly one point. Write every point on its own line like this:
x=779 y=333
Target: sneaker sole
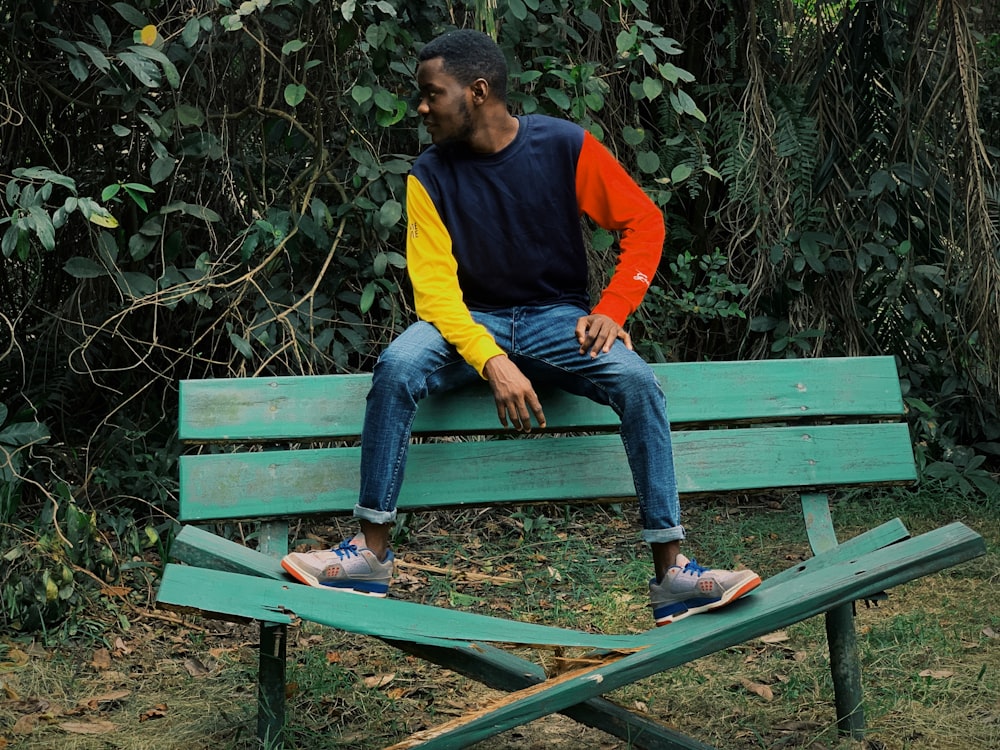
x=353 y=587
x=730 y=596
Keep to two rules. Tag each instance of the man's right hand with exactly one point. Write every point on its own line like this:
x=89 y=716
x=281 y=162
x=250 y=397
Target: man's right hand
x=514 y=395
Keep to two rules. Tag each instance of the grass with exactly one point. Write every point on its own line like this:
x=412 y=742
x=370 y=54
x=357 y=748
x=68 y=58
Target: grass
x=930 y=653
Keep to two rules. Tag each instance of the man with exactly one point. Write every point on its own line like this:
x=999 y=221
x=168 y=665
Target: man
x=496 y=255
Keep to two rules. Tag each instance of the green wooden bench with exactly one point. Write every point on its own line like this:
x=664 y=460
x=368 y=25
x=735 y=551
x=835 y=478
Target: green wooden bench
x=280 y=448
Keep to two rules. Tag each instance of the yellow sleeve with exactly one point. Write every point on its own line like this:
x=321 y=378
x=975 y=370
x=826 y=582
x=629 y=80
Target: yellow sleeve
x=434 y=275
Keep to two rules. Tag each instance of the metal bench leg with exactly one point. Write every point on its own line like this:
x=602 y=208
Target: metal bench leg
x=271 y=685
x=845 y=667
x=846 y=670
x=504 y=671
x=273 y=541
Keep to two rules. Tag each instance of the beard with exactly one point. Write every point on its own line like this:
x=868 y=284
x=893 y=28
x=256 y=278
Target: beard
x=463 y=132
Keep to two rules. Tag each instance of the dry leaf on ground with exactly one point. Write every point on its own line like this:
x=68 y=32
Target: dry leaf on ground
x=779 y=636
x=937 y=674
x=798 y=726
x=88 y=727
x=25 y=724
x=156 y=712
x=97 y=700
x=196 y=667
x=101 y=659
x=16 y=658
x=379 y=680
x=758 y=689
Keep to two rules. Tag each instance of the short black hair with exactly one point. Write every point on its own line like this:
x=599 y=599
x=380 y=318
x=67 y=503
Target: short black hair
x=467 y=55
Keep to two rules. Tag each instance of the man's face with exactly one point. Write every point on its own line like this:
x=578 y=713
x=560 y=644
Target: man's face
x=444 y=104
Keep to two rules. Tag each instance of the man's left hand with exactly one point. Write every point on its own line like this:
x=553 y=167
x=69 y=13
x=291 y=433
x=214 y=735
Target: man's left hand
x=597 y=333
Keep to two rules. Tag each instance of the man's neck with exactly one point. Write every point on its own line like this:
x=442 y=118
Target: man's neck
x=495 y=136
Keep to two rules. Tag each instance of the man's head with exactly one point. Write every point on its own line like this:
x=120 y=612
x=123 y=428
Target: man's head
x=462 y=77
x=468 y=55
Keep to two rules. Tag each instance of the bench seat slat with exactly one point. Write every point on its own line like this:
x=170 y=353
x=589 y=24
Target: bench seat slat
x=815 y=588
x=202 y=549
x=332 y=406
x=750 y=617
x=297 y=482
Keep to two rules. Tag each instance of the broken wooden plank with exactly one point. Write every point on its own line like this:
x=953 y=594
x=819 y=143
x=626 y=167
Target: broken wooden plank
x=502 y=670
x=813 y=592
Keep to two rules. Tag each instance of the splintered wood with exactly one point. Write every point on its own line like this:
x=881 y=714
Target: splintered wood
x=565 y=673
x=563 y=663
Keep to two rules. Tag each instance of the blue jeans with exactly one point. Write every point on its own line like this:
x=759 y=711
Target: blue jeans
x=542 y=343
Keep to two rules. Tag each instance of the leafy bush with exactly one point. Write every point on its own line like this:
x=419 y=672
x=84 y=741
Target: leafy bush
x=220 y=192
x=17 y=436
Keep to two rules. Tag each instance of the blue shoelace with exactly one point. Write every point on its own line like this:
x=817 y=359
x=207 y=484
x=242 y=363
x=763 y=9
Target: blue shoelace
x=346 y=549
x=693 y=567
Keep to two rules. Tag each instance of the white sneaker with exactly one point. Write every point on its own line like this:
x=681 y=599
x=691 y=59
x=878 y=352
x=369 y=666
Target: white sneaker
x=349 y=567
x=688 y=589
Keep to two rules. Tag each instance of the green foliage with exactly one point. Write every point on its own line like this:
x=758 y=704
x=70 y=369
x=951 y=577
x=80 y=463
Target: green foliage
x=858 y=225
x=45 y=575
x=701 y=295
x=56 y=566
x=253 y=220
x=989 y=93
x=18 y=434
x=29 y=194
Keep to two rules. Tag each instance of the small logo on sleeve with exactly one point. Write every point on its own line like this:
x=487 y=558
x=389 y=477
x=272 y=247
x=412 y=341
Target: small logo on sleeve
x=641 y=277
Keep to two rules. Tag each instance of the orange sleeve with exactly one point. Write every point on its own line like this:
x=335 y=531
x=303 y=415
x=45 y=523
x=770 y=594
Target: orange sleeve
x=609 y=195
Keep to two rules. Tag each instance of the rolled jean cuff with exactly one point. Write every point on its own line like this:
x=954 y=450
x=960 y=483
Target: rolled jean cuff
x=373 y=515
x=660 y=536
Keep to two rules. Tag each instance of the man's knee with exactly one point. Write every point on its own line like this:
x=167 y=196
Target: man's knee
x=396 y=377
x=411 y=361
x=635 y=379
x=633 y=369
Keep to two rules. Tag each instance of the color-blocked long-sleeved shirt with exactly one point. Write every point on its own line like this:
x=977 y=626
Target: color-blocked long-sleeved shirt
x=493 y=231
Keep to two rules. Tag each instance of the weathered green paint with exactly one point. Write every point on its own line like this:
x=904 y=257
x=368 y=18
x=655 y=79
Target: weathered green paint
x=819 y=522
x=881 y=536
x=738 y=426
x=265 y=599
x=332 y=406
x=204 y=549
x=803 y=593
x=502 y=670
x=698 y=636
x=564 y=469
x=272 y=538
x=261 y=598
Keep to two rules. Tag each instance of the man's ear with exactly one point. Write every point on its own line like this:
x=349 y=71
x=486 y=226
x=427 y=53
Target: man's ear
x=480 y=90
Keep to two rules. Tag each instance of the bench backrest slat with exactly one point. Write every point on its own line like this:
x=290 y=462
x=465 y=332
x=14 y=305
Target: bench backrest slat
x=332 y=406
x=297 y=482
